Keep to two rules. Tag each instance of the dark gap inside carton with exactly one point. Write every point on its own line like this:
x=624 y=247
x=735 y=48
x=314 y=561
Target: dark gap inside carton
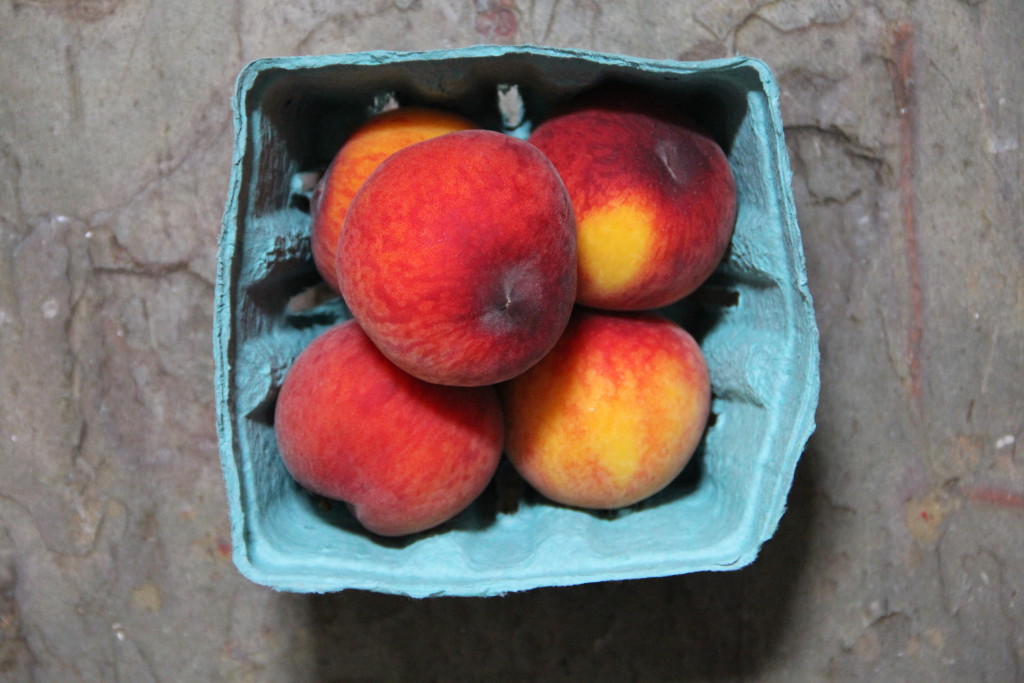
x=714 y=107
x=263 y=412
x=310 y=299
x=285 y=279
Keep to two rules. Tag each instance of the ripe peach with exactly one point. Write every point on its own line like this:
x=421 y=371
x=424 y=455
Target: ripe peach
x=404 y=454
x=655 y=199
x=458 y=257
x=373 y=142
x=612 y=414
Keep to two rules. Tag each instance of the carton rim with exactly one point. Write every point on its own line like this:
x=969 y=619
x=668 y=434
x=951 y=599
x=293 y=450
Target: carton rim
x=247 y=553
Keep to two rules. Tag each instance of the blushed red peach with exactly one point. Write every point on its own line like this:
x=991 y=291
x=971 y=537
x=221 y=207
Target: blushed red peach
x=404 y=454
x=655 y=199
x=373 y=142
x=612 y=414
x=458 y=257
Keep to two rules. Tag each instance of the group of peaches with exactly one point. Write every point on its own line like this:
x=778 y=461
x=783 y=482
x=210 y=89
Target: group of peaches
x=502 y=294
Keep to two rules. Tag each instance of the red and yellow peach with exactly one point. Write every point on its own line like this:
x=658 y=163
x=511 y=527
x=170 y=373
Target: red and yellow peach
x=404 y=454
x=371 y=143
x=612 y=414
x=458 y=257
x=655 y=199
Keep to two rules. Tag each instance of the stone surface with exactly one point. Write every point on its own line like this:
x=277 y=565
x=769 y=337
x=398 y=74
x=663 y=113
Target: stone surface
x=899 y=557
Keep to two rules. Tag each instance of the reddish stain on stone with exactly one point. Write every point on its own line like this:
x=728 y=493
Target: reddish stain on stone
x=905 y=95
x=990 y=495
x=496 y=19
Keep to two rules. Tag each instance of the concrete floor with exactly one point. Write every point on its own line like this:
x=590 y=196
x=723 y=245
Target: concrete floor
x=900 y=556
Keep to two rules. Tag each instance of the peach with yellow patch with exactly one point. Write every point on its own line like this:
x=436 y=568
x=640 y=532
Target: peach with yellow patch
x=371 y=143
x=612 y=414
x=655 y=198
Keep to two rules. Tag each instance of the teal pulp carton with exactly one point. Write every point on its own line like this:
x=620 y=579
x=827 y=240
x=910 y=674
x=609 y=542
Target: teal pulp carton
x=754 y=320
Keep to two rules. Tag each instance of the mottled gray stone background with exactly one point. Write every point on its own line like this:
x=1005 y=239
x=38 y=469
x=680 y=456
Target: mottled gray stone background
x=900 y=557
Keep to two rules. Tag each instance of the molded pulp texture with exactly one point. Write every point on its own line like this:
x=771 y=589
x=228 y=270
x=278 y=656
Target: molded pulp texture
x=754 y=320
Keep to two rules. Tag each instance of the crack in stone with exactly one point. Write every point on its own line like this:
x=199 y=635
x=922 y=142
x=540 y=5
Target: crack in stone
x=846 y=138
x=199 y=142
x=811 y=22
x=8 y=154
x=341 y=20
x=236 y=27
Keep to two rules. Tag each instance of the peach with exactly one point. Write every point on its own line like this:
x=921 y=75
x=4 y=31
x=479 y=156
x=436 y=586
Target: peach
x=404 y=454
x=612 y=414
x=371 y=143
x=458 y=257
x=655 y=199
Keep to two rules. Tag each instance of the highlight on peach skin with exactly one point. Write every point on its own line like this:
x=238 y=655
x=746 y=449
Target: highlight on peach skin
x=655 y=198
x=371 y=143
x=612 y=414
x=458 y=257
x=404 y=454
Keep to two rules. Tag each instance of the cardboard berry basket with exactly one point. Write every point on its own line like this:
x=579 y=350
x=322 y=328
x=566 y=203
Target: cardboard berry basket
x=753 y=319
